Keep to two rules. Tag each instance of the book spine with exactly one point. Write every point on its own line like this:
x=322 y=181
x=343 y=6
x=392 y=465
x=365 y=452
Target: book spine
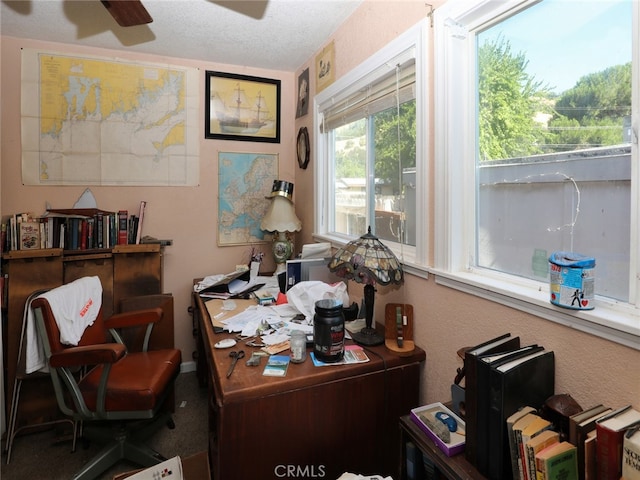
x=527 y=471
x=563 y=466
x=72 y=234
x=133 y=227
x=631 y=454
x=84 y=234
x=91 y=241
x=123 y=224
x=42 y=224
x=541 y=469
x=3 y=237
x=608 y=453
x=113 y=230
x=520 y=450
x=513 y=446
x=531 y=456
x=99 y=230
x=62 y=236
x=143 y=206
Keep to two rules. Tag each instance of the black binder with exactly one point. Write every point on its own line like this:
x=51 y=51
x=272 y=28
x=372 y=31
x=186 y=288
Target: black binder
x=502 y=343
x=527 y=380
x=485 y=364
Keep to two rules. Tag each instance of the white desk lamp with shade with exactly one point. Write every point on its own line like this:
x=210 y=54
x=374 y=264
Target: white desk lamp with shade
x=281 y=220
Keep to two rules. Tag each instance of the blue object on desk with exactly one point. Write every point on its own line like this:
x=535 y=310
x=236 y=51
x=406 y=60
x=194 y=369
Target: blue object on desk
x=448 y=420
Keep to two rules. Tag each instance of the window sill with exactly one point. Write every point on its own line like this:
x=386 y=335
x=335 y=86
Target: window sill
x=613 y=321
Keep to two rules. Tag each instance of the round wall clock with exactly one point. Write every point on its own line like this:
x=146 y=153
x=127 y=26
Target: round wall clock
x=303 y=147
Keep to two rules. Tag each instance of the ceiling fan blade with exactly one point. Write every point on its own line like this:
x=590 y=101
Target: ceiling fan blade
x=128 y=13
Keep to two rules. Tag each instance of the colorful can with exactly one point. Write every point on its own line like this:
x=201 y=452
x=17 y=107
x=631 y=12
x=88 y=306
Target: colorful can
x=572 y=280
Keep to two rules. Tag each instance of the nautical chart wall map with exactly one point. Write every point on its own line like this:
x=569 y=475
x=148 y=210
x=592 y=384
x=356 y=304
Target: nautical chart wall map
x=244 y=183
x=96 y=121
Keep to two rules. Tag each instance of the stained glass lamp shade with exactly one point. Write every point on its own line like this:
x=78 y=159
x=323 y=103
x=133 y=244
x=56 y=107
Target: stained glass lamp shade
x=368 y=261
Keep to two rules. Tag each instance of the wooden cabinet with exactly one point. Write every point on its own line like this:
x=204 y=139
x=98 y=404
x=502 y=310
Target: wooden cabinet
x=124 y=271
x=319 y=421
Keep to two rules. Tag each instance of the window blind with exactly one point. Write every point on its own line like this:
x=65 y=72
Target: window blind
x=375 y=93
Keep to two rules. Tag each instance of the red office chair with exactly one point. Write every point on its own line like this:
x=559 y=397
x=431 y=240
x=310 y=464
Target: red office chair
x=120 y=398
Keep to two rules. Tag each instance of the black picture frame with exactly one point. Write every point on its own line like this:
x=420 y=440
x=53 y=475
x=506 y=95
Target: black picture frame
x=242 y=107
x=303 y=149
x=303 y=94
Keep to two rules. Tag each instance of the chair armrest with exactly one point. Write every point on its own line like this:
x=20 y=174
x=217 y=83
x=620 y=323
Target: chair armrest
x=88 y=355
x=133 y=318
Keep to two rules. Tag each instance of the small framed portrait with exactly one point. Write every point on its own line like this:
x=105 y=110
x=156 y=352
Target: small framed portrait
x=303 y=94
x=325 y=67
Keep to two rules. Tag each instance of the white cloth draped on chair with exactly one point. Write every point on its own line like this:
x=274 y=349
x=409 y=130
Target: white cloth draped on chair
x=75 y=306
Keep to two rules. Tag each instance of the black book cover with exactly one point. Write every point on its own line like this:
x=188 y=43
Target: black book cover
x=502 y=343
x=528 y=380
x=485 y=364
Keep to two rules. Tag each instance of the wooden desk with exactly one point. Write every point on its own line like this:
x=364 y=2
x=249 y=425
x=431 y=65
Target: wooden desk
x=453 y=468
x=317 y=422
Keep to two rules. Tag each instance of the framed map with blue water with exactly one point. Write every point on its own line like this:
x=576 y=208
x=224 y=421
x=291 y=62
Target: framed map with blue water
x=244 y=183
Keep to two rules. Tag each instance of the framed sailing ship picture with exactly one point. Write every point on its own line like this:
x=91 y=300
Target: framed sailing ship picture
x=241 y=107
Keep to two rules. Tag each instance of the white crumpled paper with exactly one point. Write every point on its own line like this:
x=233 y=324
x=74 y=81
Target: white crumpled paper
x=304 y=295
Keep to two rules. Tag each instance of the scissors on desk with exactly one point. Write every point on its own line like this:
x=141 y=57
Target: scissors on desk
x=235 y=356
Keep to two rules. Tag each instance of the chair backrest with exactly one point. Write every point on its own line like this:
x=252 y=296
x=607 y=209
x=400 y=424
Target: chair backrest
x=81 y=376
x=66 y=388
x=93 y=334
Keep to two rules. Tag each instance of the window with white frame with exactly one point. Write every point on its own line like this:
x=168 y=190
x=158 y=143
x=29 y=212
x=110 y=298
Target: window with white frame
x=536 y=151
x=368 y=163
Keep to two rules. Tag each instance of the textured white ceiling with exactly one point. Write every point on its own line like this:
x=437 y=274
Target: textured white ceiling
x=270 y=34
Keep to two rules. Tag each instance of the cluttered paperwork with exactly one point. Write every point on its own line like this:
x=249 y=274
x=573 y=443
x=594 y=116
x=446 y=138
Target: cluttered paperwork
x=271 y=323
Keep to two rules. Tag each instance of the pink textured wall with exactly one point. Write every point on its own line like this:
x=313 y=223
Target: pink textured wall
x=188 y=215
x=591 y=369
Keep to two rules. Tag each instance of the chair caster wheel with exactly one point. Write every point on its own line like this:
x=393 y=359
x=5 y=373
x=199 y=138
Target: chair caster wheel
x=171 y=424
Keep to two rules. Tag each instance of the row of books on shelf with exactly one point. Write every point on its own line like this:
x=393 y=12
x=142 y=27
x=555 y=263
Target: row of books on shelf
x=72 y=229
x=507 y=436
x=602 y=444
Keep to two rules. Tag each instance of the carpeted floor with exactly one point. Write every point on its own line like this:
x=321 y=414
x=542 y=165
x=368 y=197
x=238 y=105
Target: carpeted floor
x=38 y=456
